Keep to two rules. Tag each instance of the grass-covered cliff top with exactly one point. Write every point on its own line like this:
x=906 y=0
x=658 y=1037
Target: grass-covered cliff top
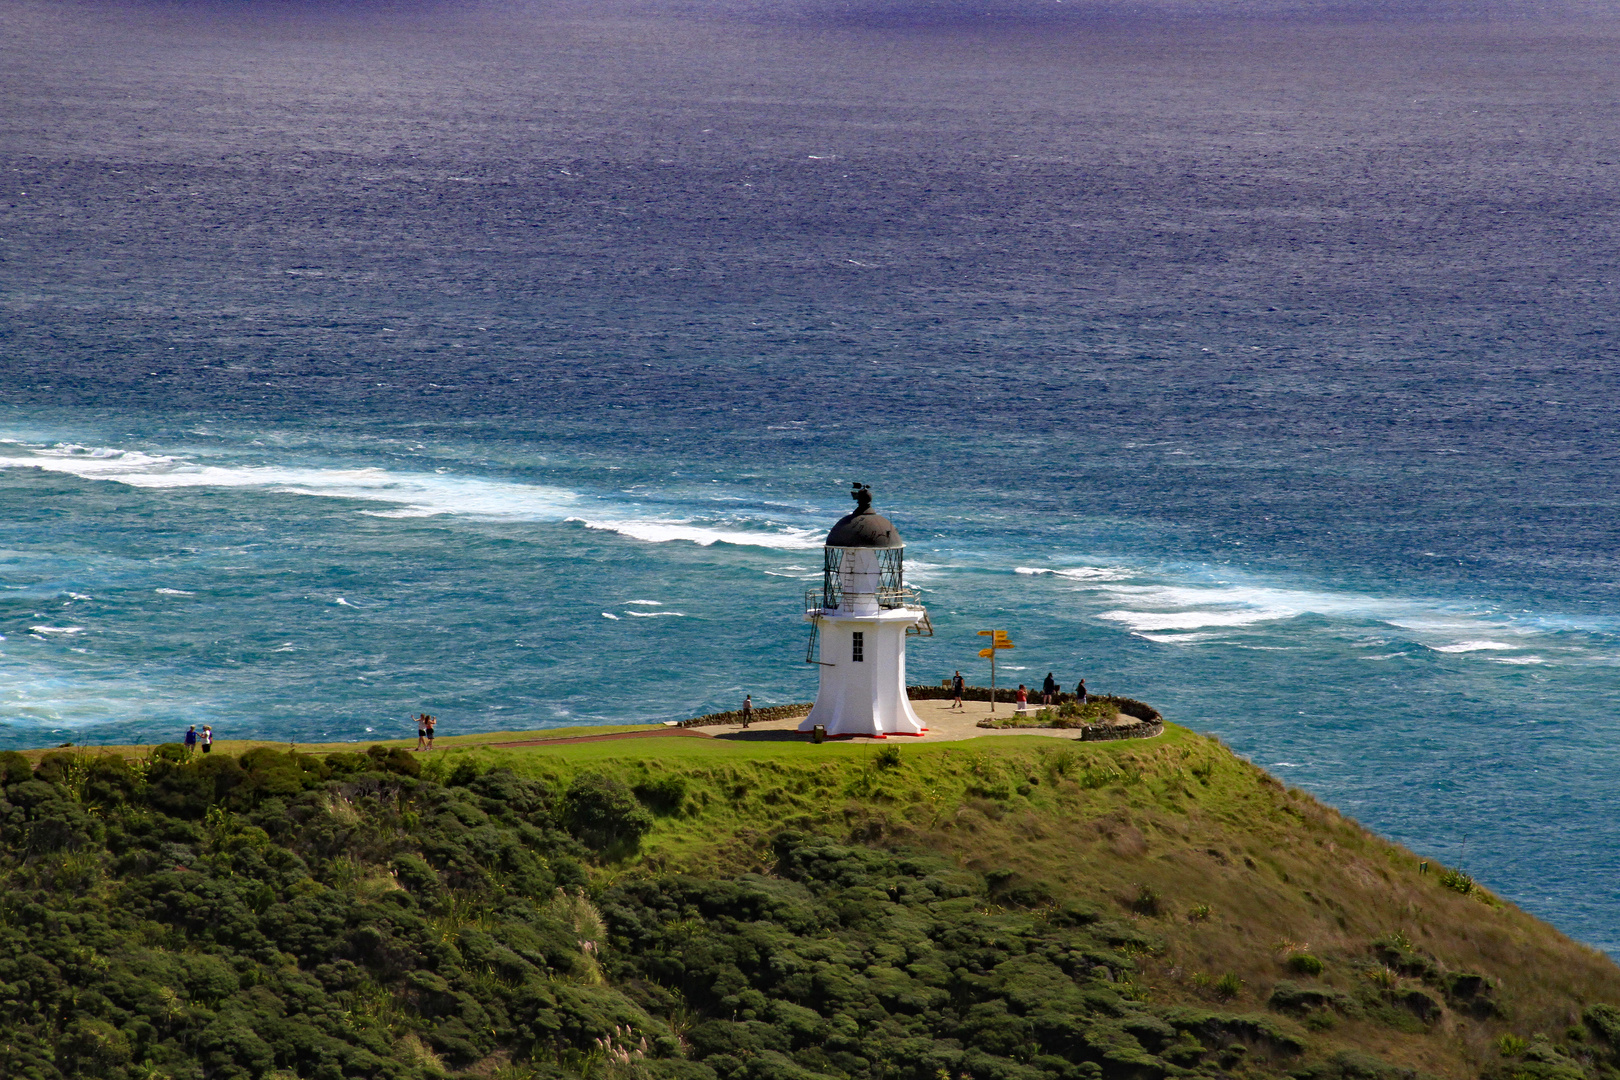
x=1007 y=908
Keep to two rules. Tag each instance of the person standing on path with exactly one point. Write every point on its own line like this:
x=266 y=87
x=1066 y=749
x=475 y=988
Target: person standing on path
x=1080 y=692
x=748 y=709
x=191 y=740
x=1049 y=689
x=421 y=732
x=430 y=722
x=1023 y=699
x=207 y=738
x=958 y=684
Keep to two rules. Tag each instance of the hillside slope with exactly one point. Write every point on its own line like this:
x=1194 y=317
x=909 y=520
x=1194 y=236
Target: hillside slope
x=1011 y=908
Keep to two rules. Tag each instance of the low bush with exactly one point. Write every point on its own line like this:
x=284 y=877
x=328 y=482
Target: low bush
x=1303 y=963
x=1146 y=901
x=1457 y=881
x=603 y=813
x=665 y=795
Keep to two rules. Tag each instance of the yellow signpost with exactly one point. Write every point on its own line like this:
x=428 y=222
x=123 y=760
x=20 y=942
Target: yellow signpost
x=998 y=641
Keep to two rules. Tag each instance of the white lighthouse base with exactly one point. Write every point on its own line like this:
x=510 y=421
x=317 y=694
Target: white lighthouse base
x=865 y=696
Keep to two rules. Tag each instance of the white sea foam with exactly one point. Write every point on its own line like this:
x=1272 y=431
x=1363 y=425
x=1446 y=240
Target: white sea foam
x=1167 y=613
x=1520 y=660
x=661 y=532
x=173 y=592
x=647 y=603
x=1193 y=620
x=79 y=596
x=654 y=614
x=414 y=494
x=1076 y=573
x=610 y=615
x=57 y=629
x=1184 y=639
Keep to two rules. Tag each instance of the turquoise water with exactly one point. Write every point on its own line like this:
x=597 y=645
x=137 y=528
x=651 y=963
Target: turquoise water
x=510 y=365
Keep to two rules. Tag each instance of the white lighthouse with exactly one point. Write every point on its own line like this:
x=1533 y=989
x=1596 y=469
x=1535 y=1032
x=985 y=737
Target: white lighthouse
x=860 y=618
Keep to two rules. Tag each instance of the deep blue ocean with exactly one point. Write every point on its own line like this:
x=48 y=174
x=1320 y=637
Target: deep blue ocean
x=510 y=363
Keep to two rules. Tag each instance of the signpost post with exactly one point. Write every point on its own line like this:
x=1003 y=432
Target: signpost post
x=998 y=641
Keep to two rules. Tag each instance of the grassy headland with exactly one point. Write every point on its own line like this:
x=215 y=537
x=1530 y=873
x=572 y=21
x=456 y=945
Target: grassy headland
x=1007 y=908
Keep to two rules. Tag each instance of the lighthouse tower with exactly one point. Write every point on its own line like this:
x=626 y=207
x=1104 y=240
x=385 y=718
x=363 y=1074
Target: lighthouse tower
x=860 y=618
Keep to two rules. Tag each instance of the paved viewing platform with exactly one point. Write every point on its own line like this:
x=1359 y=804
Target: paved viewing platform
x=945 y=724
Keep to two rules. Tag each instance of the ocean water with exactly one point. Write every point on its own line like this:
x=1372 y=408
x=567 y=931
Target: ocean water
x=510 y=362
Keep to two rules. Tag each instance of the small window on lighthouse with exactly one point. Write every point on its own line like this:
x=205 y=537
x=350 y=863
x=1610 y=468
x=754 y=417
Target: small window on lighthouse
x=860 y=646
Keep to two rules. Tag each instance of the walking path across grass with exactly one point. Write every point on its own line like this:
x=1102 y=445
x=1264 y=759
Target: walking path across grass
x=944 y=725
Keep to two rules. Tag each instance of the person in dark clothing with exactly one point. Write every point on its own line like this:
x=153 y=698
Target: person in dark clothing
x=958 y=684
x=430 y=722
x=191 y=738
x=1080 y=692
x=1049 y=689
x=748 y=709
x=207 y=738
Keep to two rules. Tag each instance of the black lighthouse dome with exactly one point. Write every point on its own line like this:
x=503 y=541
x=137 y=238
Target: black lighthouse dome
x=864 y=527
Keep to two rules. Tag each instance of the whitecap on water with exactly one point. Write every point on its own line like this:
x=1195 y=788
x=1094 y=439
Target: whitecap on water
x=1076 y=573
x=173 y=592
x=655 y=614
x=664 y=531
x=414 y=494
x=57 y=629
x=1185 y=639
x=1192 y=620
x=610 y=615
x=648 y=603
x=1472 y=646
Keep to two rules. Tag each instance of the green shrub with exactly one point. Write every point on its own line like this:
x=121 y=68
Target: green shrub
x=14 y=768
x=1457 y=881
x=1146 y=901
x=664 y=795
x=1604 y=1020
x=394 y=759
x=602 y=813
x=1511 y=1045
x=1228 y=986
x=1199 y=913
x=1303 y=963
x=888 y=758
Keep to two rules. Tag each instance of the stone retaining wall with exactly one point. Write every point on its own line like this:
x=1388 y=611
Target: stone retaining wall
x=1129 y=706
x=1151 y=722
x=1104 y=732
x=769 y=712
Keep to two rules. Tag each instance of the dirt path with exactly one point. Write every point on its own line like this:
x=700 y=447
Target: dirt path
x=657 y=733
